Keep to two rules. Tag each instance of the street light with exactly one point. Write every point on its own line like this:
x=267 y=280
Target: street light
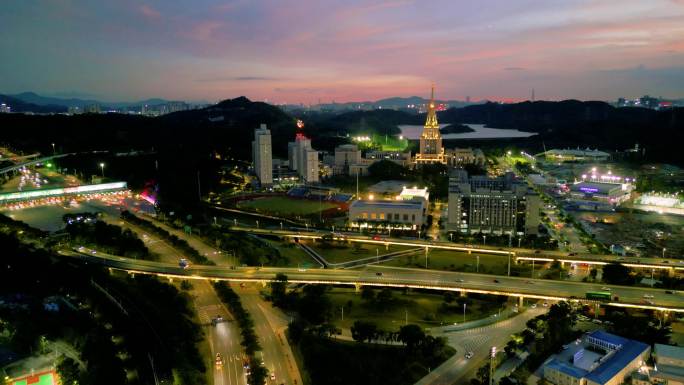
x=484 y=242
x=664 y=252
x=102 y=168
x=53 y=149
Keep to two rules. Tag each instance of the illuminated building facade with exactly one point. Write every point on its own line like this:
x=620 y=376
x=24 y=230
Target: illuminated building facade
x=431 y=150
x=262 y=156
x=303 y=158
x=500 y=205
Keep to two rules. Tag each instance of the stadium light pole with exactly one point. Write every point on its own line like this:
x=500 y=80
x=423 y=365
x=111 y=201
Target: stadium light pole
x=53 y=149
x=102 y=168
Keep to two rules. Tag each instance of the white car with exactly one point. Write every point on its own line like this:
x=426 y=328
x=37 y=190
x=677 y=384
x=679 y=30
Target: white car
x=605 y=288
x=648 y=296
x=469 y=355
x=272 y=376
x=533 y=306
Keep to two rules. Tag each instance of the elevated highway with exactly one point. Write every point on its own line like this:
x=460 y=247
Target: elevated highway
x=634 y=297
x=516 y=254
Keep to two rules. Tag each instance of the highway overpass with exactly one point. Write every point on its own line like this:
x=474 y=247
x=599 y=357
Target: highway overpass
x=516 y=254
x=633 y=297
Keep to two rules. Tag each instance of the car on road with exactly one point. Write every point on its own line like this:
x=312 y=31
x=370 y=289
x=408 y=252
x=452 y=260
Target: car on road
x=545 y=304
x=218 y=361
x=272 y=376
x=377 y=238
x=648 y=296
x=648 y=302
x=379 y=274
x=597 y=321
x=459 y=280
x=469 y=355
x=533 y=306
x=605 y=288
x=669 y=291
x=497 y=281
x=216 y=320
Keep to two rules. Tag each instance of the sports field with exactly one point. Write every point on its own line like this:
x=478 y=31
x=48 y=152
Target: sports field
x=46 y=378
x=390 y=143
x=281 y=205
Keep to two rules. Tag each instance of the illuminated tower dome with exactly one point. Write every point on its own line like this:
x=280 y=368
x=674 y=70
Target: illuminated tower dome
x=431 y=150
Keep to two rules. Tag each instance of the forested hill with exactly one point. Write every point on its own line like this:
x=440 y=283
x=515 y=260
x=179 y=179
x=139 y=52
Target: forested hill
x=575 y=123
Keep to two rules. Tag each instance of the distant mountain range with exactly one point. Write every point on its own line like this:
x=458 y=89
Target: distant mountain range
x=21 y=101
x=395 y=103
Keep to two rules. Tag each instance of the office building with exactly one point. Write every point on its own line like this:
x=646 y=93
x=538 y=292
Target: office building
x=431 y=150
x=500 y=205
x=349 y=160
x=599 y=358
x=611 y=193
x=406 y=212
x=303 y=158
x=462 y=156
x=346 y=155
x=262 y=155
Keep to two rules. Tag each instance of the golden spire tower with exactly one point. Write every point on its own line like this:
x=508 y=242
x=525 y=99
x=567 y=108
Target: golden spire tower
x=431 y=150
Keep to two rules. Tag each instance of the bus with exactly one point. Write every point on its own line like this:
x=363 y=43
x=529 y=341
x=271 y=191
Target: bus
x=598 y=295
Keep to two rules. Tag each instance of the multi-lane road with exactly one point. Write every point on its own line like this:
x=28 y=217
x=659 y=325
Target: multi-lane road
x=401 y=277
x=515 y=253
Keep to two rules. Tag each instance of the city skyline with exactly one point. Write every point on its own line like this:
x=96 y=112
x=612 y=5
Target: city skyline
x=309 y=52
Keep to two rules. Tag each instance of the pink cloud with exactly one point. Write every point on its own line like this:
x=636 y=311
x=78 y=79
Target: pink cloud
x=149 y=12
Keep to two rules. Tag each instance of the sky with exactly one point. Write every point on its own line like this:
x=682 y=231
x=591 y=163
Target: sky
x=306 y=51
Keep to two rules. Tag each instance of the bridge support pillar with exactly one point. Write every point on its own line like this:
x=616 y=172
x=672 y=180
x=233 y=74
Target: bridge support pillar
x=562 y=264
x=521 y=301
x=132 y=275
x=110 y=270
x=357 y=287
x=462 y=293
x=263 y=283
x=170 y=279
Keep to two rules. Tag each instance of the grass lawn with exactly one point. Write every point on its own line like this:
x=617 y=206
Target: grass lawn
x=295 y=255
x=464 y=262
x=390 y=143
x=330 y=362
x=281 y=205
x=424 y=309
x=337 y=252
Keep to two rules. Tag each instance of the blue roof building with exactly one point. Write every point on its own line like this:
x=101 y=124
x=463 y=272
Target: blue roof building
x=600 y=359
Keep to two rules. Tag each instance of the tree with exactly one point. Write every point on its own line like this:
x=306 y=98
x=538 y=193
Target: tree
x=411 y=335
x=364 y=331
x=367 y=293
x=68 y=371
x=593 y=272
x=449 y=297
x=186 y=285
x=314 y=306
x=384 y=297
x=386 y=169
x=617 y=274
x=278 y=288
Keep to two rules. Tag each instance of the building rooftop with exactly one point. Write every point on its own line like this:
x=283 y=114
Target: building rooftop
x=410 y=193
x=414 y=205
x=669 y=351
x=596 y=367
x=615 y=363
x=566 y=368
